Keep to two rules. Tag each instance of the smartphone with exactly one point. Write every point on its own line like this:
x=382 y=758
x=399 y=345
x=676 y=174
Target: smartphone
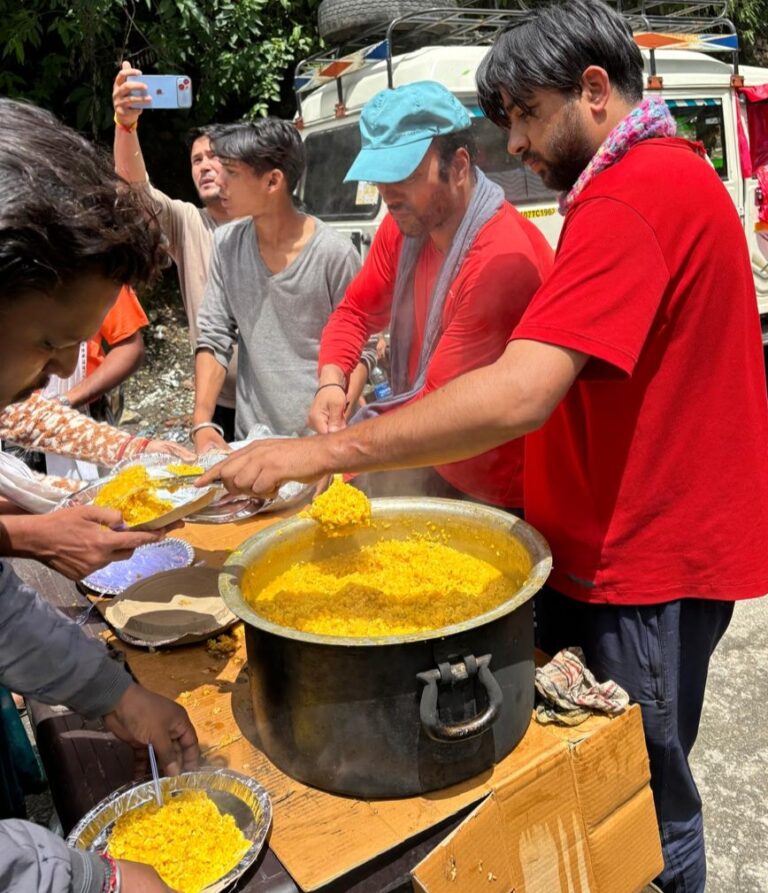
x=168 y=91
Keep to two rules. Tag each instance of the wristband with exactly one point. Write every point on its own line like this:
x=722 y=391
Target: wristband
x=111 y=875
x=123 y=447
x=331 y=384
x=199 y=427
x=128 y=128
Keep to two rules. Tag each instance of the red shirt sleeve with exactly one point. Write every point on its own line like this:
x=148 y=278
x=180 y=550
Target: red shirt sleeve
x=605 y=289
x=367 y=302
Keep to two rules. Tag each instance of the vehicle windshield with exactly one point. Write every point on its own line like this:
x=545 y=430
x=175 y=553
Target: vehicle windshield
x=521 y=185
x=330 y=154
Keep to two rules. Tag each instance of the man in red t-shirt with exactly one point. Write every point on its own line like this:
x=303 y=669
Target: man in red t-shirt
x=638 y=367
x=451 y=270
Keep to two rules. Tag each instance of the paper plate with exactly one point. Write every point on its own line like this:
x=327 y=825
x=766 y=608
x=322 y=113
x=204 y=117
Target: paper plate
x=233 y=793
x=175 y=608
x=154 y=558
x=186 y=499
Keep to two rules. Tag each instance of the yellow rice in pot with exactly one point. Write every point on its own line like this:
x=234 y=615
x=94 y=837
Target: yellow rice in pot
x=392 y=587
x=340 y=508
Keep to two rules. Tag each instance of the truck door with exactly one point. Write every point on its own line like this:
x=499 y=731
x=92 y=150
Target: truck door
x=754 y=162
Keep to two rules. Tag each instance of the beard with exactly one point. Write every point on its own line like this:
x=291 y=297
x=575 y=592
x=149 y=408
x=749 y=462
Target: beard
x=418 y=225
x=568 y=153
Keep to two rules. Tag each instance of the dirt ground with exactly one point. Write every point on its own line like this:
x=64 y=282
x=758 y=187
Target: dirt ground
x=159 y=398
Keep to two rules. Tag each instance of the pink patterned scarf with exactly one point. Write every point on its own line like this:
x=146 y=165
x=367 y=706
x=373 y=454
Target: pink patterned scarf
x=650 y=119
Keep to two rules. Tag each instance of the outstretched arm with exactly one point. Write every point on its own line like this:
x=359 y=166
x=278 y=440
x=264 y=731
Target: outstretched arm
x=470 y=415
x=129 y=162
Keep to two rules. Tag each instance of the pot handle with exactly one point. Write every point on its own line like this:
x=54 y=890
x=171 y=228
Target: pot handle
x=448 y=674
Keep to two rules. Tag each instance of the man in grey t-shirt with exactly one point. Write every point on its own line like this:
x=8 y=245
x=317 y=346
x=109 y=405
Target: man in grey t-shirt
x=274 y=278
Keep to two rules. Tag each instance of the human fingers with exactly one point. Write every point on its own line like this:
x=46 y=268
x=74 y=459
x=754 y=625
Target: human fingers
x=170 y=448
x=186 y=740
x=174 y=739
x=241 y=472
x=336 y=414
x=317 y=418
x=100 y=515
x=212 y=475
x=136 y=877
x=125 y=70
x=123 y=543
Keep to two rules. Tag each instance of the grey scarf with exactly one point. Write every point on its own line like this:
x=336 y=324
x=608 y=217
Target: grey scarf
x=487 y=198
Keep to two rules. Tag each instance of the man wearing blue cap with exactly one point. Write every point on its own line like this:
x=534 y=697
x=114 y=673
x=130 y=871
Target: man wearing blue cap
x=451 y=270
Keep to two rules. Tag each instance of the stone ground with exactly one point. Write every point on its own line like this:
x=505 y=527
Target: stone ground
x=159 y=398
x=730 y=759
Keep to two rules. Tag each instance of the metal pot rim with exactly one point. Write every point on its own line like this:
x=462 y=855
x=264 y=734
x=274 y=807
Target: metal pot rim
x=229 y=577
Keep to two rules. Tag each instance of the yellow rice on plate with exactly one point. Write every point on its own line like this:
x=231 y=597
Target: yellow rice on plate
x=187 y=841
x=182 y=469
x=131 y=493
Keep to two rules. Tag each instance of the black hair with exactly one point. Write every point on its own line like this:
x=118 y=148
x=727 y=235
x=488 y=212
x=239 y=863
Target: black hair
x=64 y=212
x=551 y=50
x=449 y=143
x=195 y=133
x=263 y=145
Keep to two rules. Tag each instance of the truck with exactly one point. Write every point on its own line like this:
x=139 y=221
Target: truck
x=691 y=56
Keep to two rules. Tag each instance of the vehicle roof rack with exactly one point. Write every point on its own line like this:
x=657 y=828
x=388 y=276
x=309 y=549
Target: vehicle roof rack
x=684 y=25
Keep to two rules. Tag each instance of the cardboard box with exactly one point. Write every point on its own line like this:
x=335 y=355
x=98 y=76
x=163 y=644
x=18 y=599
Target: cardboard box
x=579 y=820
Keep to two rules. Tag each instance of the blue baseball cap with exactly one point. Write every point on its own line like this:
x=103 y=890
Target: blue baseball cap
x=397 y=128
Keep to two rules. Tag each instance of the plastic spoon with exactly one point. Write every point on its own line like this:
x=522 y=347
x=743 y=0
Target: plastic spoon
x=155 y=775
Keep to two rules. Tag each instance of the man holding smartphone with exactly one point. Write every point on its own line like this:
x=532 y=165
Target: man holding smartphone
x=188 y=228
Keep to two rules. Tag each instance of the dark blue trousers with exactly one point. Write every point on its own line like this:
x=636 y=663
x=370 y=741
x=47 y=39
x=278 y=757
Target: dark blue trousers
x=660 y=655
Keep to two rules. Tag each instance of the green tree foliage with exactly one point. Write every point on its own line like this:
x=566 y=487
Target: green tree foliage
x=63 y=54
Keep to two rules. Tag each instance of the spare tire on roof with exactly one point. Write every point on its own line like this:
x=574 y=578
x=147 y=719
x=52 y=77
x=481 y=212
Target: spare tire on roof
x=339 y=20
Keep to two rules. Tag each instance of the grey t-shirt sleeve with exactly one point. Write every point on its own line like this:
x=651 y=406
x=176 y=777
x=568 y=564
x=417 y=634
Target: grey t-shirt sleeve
x=33 y=859
x=341 y=269
x=48 y=657
x=216 y=325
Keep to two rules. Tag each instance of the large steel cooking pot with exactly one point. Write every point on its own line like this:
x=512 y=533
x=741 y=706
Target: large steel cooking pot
x=399 y=715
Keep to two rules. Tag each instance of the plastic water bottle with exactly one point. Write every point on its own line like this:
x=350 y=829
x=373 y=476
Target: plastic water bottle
x=381 y=388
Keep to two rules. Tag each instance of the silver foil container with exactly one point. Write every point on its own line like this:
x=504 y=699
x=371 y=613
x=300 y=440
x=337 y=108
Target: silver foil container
x=234 y=794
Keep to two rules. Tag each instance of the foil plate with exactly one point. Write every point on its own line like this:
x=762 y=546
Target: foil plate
x=233 y=793
x=154 y=558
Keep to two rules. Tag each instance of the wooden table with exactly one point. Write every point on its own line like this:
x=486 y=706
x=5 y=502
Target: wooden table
x=84 y=763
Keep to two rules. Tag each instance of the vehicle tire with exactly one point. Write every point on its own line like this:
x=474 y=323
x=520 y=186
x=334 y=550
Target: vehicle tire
x=338 y=20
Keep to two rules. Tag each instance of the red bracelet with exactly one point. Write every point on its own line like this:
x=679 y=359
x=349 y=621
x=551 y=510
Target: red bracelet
x=123 y=447
x=111 y=876
x=128 y=128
